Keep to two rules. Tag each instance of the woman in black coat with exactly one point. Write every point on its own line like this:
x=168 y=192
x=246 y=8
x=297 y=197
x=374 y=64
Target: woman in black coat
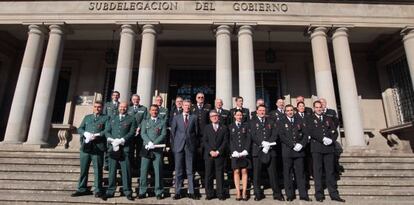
x=240 y=147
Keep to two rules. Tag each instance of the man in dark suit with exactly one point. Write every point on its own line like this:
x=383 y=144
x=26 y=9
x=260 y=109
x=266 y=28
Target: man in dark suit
x=263 y=132
x=176 y=109
x=239 y=106
x=293 y=136
x=279 y=113
x=183 y=144
x=223 y=114
x=215 y=141
x=323 y=133
x=304 y=116
x=307 y=110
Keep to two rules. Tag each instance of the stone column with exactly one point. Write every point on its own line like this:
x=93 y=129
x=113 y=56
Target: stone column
x=21 y=108
x=322 y=66
x=46 y=91
x=408 y=40
x=247 y=85
x=351 y=114
x=146 y=64
x=125 y=63
x=223 y=65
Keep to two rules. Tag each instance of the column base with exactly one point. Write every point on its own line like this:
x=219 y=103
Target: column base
x=36 y=144
x=10 y=142
x=356 y=149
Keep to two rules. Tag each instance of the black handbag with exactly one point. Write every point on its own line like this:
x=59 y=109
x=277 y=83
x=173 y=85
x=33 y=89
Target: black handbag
x=146 y=153
x=265 y=158
x=117 y=155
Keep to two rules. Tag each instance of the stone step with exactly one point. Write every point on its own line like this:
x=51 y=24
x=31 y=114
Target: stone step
x=376 y=160
x=46 y=198
x=378 y=166
x=31 y=155
x=379 y=173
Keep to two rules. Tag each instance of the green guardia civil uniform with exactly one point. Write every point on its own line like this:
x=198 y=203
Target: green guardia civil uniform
x=93 y=150
x=140 y=113
x=162 y=113
x=155 y=132
x=120 y=128
x=111 y=108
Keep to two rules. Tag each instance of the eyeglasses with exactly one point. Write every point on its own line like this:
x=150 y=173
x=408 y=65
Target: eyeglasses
x=200 y=97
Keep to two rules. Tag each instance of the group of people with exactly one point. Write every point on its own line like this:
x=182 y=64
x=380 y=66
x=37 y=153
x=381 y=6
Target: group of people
x=204 y=139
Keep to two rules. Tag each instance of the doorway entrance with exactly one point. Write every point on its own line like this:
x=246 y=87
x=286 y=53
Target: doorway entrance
x=187 y=83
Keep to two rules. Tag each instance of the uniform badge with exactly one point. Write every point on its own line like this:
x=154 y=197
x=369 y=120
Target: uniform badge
x=157 y=130
x=316 y=122
x=99 y=126
x=286 y=125
x=333 y=131
x=257 y=124
x=233 y=130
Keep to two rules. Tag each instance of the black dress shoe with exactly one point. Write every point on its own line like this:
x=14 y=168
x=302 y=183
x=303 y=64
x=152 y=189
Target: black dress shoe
x=78 y=193
x=338 y=199
x=159 y=197
x=106 y=168
x=108 y=196
x=319 y=199
x=98 y=195
x=289 y=199
x=222 y=198
x=142 y=196
x=129 y=197
x=258 y=198
x=279 y=198
x=209 y=198
x=194 y=196
x=305 y=199
x=177 y=196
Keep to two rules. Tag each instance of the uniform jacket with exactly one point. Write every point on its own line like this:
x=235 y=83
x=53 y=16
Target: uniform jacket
x=93 y=124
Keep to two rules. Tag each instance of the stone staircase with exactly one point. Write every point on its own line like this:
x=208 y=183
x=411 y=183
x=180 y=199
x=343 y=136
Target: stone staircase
x=49 y=176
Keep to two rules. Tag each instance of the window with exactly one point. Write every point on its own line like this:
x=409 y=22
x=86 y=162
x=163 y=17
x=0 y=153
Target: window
x=403 y=95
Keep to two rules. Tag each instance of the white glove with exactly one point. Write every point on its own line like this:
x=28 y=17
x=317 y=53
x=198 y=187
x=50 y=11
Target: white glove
x=115 y=144
x=297 y=147
x=244 y=153
x=150 y=145
x=110 y=140
x=121 y=141
x=265 y=149
x=88 y=137
x=96 y=135
x=265 y=144
x=235 y=154
x=327 y=141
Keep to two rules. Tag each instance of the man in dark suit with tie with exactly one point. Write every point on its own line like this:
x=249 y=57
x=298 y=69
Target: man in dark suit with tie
x=279 y=113
x=183 y=144
x=263 y=132
x=329 y=112
x=239 y=106
x=294 y=139
x=323 y=133
x=215 y=141
x=223 y=114
x=304 y=116
x=176 y=109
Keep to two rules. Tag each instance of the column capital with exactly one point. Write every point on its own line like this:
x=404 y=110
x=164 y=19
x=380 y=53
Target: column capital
x=37 y=29
x=128 y=29
x=245 y=29
x=407 y=32
x=316 y=30
x=57 y=29
x=223 y=29
x=341 y=31
x=153 y=27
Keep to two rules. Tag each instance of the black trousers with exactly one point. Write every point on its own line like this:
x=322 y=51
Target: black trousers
x=320 y=161
x=294 y=167
x=271 y=168
x=214 y=168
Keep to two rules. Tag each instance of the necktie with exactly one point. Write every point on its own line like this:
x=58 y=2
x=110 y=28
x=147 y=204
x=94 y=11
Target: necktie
x=301 y=114
x=121 y=117
x=186 y=120
x=291 y=120
x=320 y=118
x=154 y=120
